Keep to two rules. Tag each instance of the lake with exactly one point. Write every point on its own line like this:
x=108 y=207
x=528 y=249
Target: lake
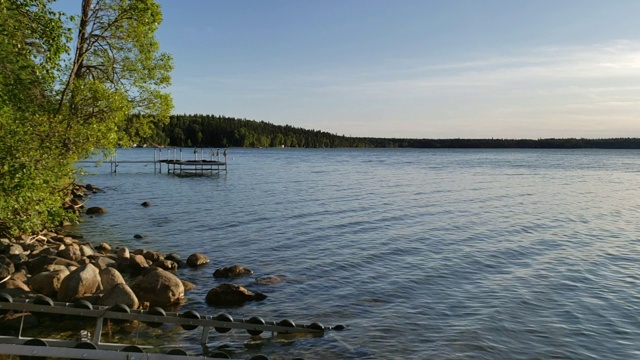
x=422 y=253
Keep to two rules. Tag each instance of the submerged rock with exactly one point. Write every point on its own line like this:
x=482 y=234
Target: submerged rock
x=232 y=272
x=232 y=295
x=96 y=210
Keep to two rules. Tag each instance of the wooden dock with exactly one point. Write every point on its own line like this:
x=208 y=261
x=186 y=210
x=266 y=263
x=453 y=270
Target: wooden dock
x=173 y=163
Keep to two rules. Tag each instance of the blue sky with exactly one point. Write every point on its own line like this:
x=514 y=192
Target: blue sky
x=411 y=68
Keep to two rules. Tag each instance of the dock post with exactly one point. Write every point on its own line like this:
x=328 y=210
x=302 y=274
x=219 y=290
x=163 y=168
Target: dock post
x=160 y=157
x=155 y=161
x=115 y=167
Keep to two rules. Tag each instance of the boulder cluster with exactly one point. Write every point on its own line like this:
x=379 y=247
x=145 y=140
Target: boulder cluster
x=65 y=268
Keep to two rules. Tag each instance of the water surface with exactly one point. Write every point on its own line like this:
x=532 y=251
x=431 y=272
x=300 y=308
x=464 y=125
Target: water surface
x=424 y=254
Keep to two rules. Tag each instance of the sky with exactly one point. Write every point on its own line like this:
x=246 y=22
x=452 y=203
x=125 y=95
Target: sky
x=411 y=68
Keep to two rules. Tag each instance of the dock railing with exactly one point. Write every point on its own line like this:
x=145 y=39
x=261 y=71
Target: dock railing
x=88 y=346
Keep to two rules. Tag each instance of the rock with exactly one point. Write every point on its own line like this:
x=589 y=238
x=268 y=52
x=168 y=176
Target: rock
x=231 y=272
x=92 y=188
x=159 y=288
x=20 y=259
x=71 y=252
x=176 y=259
x=138 y=236
x=103 y=247
x=96 y=210
x=187 y=285
x=6 y=267
x=86 y=250
x=120 y=294
x=16 y=321
x=271 y=279
x=4 y=244
x=231 y=295
x=20 y=275
x=165 y=265
x=15 y=249
x=146 y=204
x=40 y=263
x=110 y=277
x=153 y=256
x=82 y=281
x=48 y=282
x=123 y=253
x=197 y=259
x=102 y=262
x=137 y=263
x=14 y=284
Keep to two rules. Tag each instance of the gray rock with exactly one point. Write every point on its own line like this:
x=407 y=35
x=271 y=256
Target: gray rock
x=83 y=281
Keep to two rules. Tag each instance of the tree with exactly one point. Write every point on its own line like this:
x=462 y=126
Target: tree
x=54 y=112
x=116 y=69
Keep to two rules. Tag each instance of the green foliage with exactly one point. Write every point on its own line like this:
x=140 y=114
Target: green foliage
x=222 y=131
x=57 y=106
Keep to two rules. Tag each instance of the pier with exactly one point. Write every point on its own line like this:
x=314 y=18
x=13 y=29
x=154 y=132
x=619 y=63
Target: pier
x=174 y=162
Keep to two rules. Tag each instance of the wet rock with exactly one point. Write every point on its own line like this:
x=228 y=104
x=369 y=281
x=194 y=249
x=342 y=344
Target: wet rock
x=110 y=277
x=166 y=265
x=232 y=295
x=187 y=285
x=197 y=259
x=146 y=204
x=16 y=321
x=96 y=210
x=92 y=188
x=120 y=294
x=138 y=236
x=137 y=263
x=176 y=259
x=82 y=281
x=232 y=272
x=159 y=288
x=153 y=256
x=48 y=282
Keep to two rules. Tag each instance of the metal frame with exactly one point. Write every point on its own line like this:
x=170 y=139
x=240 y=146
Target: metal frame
x=14 y=345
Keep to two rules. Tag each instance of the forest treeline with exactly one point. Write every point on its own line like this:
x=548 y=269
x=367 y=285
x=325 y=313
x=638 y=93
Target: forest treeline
x=221 y=131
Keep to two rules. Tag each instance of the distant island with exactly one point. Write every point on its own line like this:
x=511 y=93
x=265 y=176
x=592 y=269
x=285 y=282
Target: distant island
x=222 y=131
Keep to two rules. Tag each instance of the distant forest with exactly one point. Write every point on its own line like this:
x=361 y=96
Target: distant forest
x=222 y=131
